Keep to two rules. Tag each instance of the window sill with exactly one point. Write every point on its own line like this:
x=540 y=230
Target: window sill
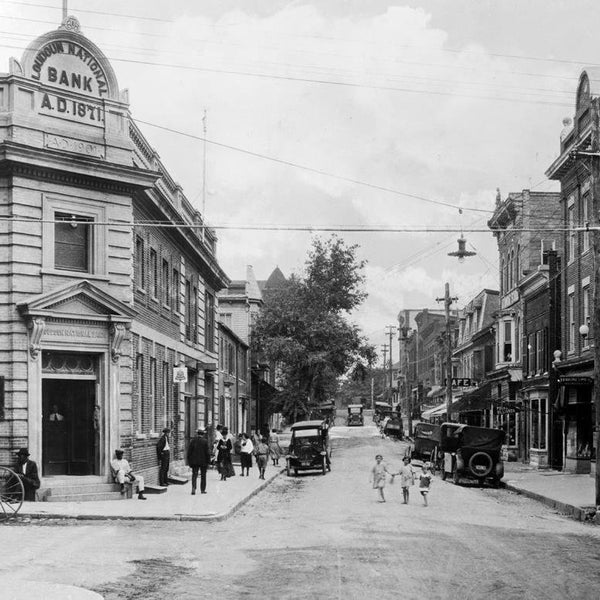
x=76 y=274
x=140 y=290
x=154 y=435
x=140 y=436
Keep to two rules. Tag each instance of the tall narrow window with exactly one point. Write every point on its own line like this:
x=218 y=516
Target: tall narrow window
x=139 y=413
x=508 y=346
x=140 y=270
x=571 y=232
x=209 y=322
x=72 y=243
x=176 y=290
x=153 y=273
x=585 y=217
x=166 y=283
x=166 y=393
x=153 y=399
x=194 y=314
x=539 y=347
x=188 y=310
x=571 y=317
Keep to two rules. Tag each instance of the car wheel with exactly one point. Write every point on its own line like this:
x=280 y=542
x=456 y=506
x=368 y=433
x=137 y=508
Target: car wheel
x=481 y=464
x=455 y=476
x=288 y=470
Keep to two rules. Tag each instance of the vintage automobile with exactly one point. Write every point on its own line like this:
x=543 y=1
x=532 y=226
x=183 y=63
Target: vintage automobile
x=309 y=447
x=472 y=453
x=427 y=443
x=355 y=415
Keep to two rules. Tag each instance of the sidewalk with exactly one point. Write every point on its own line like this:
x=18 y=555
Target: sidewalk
x=222 y=499
x=569 y=494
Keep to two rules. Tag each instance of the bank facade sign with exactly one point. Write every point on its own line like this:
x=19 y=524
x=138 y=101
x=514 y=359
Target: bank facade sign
x=74 y=74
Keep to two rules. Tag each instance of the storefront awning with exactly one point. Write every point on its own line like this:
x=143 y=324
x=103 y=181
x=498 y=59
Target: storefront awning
x=434 y=390
x=474 y=401
x=432 y=412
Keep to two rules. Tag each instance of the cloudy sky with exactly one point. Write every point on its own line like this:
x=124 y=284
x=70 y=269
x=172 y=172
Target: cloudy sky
x=408 y=110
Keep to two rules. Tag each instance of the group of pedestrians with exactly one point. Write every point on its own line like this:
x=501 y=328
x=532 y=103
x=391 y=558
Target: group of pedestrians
x=408 y=476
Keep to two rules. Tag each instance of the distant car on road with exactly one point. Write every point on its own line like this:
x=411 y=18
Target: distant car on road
x=472 y=453
x=309 y=447
x=355 y=415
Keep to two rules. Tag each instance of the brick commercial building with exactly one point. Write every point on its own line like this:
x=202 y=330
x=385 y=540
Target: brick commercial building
x=577 y=173
x=96 y=311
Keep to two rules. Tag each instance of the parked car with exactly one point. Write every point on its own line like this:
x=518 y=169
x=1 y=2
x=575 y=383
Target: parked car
x=472 y=453
x=427 y=444
x=355 y=414
x=309 y=447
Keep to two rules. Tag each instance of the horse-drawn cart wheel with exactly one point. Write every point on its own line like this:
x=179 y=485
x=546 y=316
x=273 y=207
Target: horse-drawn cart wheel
x=11 y=493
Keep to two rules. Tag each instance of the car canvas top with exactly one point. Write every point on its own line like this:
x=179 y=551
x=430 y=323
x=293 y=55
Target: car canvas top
x=307 y=425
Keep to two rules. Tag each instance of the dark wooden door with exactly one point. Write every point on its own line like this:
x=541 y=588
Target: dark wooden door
x=69 y=440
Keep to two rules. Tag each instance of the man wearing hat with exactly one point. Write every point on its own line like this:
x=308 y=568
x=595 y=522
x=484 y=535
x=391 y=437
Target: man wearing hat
x=163 y=453
x=27 y=472
x=198 y=455
x=122 y=470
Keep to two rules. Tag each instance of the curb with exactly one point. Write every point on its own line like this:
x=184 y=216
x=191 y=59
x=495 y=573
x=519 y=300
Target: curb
x=576 y=512
x=176 y=517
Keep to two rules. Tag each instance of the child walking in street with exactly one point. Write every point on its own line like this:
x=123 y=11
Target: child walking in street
x=425 y=482
x=407 y=478
x=378 y=475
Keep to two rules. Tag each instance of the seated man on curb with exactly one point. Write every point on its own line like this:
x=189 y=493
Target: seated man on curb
x=122 y=471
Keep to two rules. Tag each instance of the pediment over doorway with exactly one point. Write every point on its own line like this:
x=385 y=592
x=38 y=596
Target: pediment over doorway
x=81 y=312
x=80 y=300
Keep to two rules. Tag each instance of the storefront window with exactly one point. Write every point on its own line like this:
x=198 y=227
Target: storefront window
x=579 y=436
x=538 y=423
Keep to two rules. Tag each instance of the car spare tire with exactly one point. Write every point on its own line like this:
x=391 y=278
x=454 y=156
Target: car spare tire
x=481 y=464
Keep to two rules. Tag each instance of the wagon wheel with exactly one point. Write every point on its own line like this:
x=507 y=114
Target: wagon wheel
x=11 y=493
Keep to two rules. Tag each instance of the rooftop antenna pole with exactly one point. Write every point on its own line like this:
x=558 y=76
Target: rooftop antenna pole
x=203 y=174
x=65 y=9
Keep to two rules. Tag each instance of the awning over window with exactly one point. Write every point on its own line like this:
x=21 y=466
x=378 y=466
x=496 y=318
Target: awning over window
x=433 y=412
x=474 y=401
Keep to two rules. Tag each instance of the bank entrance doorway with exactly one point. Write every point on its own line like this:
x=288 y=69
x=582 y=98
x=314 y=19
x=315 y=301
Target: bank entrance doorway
x=70 y=440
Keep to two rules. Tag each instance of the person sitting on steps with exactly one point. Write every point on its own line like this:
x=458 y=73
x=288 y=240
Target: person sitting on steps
x=122 y=471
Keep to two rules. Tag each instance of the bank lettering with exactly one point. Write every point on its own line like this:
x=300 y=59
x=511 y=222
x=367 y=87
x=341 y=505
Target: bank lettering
x=71 y=80
x=89 y=333
x=65 y=106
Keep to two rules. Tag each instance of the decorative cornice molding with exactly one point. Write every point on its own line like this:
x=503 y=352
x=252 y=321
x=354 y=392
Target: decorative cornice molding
x=117 y=334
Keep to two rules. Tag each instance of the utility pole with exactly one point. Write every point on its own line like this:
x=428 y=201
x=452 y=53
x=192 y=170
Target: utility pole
x=65 y=9
x=595 y=232
x=391 y=330
x=384 y=347
x=447 y=300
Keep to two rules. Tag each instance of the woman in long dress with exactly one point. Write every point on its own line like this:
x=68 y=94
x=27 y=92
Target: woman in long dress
x=275 y=448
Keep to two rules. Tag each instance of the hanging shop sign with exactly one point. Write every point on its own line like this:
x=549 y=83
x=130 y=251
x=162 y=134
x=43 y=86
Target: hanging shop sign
x=575 y=380
x=460 y=382
x=180 y=375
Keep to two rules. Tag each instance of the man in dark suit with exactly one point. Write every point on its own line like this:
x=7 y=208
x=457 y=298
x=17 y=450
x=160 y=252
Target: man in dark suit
x=163 y=453
x=27 y=472
x=198 y=455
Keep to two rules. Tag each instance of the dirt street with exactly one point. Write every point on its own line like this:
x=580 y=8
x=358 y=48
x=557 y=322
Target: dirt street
x=326 y=537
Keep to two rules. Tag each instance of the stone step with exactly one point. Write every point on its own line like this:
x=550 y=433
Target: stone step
x=91 y=488
x=91 y=497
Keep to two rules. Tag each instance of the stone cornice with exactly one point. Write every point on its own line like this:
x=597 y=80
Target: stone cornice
x=67 y=167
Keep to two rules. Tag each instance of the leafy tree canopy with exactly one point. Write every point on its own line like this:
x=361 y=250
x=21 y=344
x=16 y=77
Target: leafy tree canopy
x=304 y=330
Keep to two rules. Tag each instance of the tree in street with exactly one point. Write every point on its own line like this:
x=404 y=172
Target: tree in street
x=304 y=328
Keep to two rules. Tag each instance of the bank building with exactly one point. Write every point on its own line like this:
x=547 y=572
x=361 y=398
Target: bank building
x=109 y=277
